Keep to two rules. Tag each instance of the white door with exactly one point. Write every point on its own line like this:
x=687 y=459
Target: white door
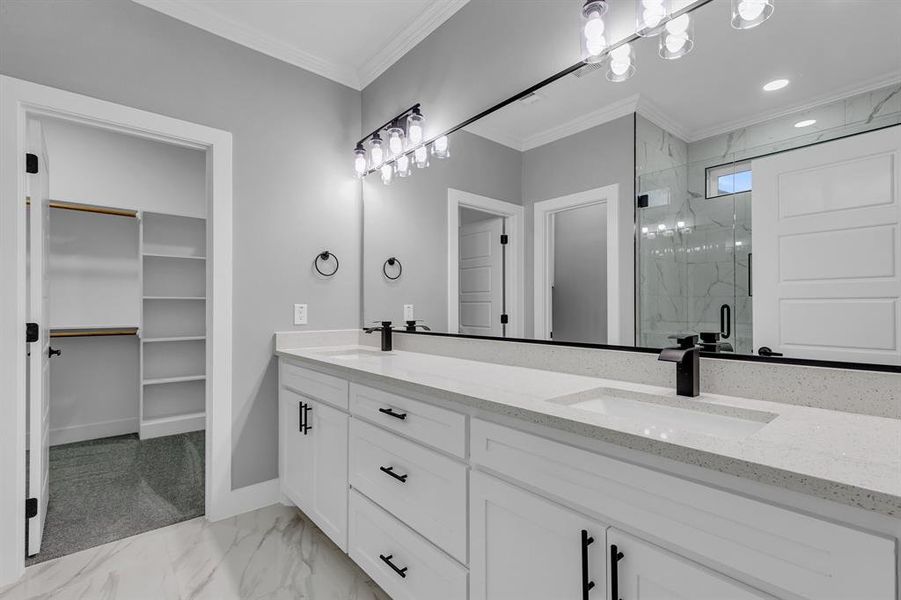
x=524 y=547
x=827 y=250
x=39 y=351
x=482 y=277
x=328 y=437
x=646 y=572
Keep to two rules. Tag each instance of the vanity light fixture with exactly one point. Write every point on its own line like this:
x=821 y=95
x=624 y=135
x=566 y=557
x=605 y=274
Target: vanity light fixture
x=376 y=152
x=395 y=139
x=677 y=38
x=415 y=128
x=421 y=157
x=387 y=171
x=594 y=40
x=776 y=84
x=805 y=123
x=750 y=13
x=360 y=164
x=402 y=165
x=622 y=63
x=440 y=149
x=650 y=16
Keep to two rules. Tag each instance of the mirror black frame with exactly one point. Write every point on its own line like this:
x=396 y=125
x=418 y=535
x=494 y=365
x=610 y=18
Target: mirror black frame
x=832 y=364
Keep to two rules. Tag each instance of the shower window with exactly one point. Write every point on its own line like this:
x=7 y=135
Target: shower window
x=732 y=178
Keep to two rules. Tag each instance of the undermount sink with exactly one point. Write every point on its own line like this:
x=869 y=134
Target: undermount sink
x=662 y=416
x=352 y=354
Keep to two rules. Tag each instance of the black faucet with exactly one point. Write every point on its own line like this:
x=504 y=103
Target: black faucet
x=385 y=328
x=412 y=326
x=687 y=357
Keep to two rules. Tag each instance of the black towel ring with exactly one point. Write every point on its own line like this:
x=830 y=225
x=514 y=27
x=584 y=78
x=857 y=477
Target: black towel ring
x=392 y=261
x=324 y=256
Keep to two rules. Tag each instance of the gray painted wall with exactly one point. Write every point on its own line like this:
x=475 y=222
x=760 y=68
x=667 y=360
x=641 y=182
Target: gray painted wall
x=598 y=157
x=408 y=220
x=293 y=191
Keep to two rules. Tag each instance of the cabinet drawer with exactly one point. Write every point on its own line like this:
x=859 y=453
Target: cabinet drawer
x=313 y=384
x=431 y=425
x=424 y=489
x=769 y=545
x=424 y=571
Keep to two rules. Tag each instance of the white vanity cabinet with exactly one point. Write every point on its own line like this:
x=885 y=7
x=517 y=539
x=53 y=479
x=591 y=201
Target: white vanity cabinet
x=524 y=547
x=313 y=454
x=642 y=571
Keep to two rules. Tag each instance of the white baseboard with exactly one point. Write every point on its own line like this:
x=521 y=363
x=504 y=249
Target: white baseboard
x=152 y=428
x=246 y=499
x=92 y=431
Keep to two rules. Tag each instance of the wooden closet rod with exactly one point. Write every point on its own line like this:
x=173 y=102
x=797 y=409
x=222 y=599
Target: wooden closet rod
x=117 y=212
x=64 y=333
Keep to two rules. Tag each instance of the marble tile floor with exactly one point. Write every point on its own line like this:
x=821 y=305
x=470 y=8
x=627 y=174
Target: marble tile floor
x=273 y=553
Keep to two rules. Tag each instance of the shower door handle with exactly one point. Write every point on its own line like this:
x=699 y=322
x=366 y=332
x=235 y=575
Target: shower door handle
x=725 y=321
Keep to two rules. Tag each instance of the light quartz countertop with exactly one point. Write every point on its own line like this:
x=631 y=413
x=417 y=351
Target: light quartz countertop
x=842 y=457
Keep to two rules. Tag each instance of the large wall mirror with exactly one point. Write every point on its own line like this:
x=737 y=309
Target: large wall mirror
x=701 y=195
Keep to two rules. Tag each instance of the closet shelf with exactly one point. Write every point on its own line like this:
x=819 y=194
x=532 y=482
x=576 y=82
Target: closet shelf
x=175 y=256
x=174 y=297
x=164 y=380
x=183 y=338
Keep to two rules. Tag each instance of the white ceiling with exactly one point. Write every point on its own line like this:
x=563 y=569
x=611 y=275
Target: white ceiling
x=349 y=41
x=828 y=49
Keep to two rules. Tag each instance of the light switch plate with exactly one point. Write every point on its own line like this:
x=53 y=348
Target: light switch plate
x=408 y=312
x=300 y=314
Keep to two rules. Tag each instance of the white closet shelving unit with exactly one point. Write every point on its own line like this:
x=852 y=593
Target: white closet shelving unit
x=173 y=317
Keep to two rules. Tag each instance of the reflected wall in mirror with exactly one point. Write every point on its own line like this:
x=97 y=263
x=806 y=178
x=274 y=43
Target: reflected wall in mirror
x=686 y=199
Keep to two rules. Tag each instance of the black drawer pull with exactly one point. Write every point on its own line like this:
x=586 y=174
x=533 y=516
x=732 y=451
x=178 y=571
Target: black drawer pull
x=390 y=471
x=615 y=557
x=587 y=583
x=306 y=418
x=398 y=570
x=390 y=412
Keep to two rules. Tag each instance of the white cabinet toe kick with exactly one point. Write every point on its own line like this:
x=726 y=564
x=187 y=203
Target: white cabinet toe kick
x=435 y=502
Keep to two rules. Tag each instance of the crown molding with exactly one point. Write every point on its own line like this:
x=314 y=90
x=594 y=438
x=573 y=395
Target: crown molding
x=198 y=15
x=431 y=19
x=495 y=135
x=843 y=94
x=608 y=113
x=653 y=113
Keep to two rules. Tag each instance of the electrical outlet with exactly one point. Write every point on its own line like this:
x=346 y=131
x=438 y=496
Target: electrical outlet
x=300 y=314
x=408 y=312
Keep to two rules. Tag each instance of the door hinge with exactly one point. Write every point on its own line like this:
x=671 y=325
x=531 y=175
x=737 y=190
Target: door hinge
x=31 y=508
x=505 y=319
x=31 y=163
x=504 y=239
x=32 y=332
x=642 y=201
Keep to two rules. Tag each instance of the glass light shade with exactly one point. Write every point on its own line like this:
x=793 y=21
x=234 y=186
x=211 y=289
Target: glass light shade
x=415 y=129
x=402 y=165
x=440 y=148
x=677 y=38
x=387 y=171
x=376 y=152
x=751 y=13
x=395 y=141
x=650 y=16
x=621 y=64
x=593 y=34
x=421 y=157
x=360 y=164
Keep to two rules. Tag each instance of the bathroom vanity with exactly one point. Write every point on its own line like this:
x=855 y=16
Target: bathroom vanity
x=450 y=478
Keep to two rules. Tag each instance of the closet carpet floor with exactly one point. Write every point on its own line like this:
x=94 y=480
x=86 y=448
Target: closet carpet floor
x=112 y=488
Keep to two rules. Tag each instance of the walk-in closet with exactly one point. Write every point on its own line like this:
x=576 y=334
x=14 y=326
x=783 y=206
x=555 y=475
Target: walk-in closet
x=124 y=279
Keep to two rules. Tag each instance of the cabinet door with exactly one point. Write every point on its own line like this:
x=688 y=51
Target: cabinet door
x=295 y=456
x=524 y=547
x=328 y=440
x=643 y=571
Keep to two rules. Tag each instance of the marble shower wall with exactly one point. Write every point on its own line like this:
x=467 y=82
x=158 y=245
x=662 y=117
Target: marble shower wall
x=693 y=252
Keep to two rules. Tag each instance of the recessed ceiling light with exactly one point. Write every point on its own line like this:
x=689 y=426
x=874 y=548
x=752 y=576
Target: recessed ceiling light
x=805 y=123
x=776 y=84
